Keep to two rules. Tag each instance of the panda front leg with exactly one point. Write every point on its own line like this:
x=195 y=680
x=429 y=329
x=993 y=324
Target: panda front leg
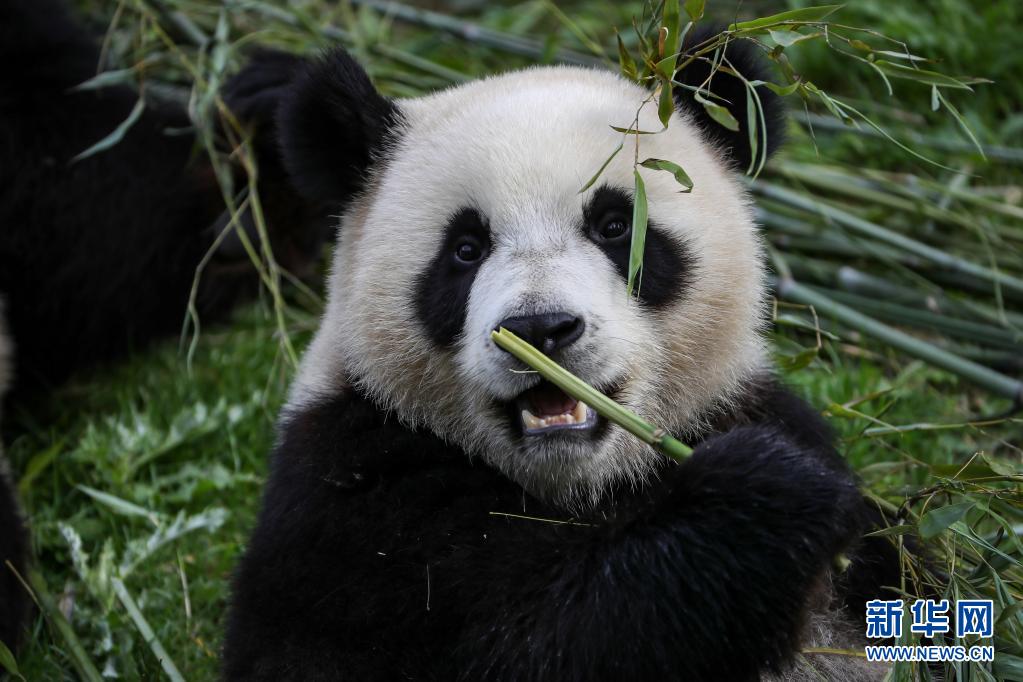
x=378 y=556
x=710 y=582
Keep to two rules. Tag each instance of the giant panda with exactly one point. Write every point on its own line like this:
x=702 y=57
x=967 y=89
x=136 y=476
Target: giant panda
x=436 y=512
x=98 y=256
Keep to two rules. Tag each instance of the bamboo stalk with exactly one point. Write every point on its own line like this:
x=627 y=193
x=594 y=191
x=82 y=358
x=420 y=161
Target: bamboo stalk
x=973 y=331
x=985 y=377
x=474 y=33
x=912 y=188
x=995 y=152
x=799 y=234
x=655 y=436
x=875 y=231
x=1006 y=361
x=931 y=298
x=868 y=193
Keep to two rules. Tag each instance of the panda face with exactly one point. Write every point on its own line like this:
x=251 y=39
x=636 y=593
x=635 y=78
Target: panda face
x=474 y=219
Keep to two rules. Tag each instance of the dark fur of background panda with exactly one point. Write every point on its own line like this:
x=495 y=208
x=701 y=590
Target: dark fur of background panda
x=376 y=556
x=97 y=257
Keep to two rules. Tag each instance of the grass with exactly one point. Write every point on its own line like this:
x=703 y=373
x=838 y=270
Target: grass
x=143 y=479
x=152 y=475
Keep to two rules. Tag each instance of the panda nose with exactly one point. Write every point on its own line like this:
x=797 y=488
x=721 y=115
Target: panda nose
x=548 y=332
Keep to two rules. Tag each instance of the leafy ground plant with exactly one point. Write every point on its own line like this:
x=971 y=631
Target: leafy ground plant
x=894 y=228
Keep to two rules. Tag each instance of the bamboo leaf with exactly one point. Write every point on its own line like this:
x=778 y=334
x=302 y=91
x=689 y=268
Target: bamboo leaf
x=841 y=106
x=676 y=170
x=633 y=131
x=645 y=49
x=1007 y=666
x=666 y=103
x=639 y=224
x=975 y=469
x=830 y=103
x=755 y=122
x=717 y=112
x=799 y=323
x=937 y=520
x=146 y=631
x=788 y=38
x=999 y=467
x=673 y=24
x=600 y=171
x=116 y=135
x=900 y=55
x=804 y=15
x=964 y=531
x=781 y=90
x=881 y=73
x=37 y=465
x=665 y=68
x=960 y=120
x=8 y=662
x=625 y=60
x=904 y=529
x=920 y=75
x=694 y=8
x=578 y=31
x=117 y=505
x=107 y=79
x=801 y=360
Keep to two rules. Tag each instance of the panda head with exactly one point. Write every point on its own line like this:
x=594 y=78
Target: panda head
x=462 y=212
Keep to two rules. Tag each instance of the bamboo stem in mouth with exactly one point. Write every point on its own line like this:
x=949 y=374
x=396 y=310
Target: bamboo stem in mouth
x=653 y=435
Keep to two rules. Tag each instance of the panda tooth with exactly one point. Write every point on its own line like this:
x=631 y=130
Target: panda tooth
x=530 y=421
x=577 y=415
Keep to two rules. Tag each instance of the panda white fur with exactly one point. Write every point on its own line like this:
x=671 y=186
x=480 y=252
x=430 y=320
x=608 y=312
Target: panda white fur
x=413 y=526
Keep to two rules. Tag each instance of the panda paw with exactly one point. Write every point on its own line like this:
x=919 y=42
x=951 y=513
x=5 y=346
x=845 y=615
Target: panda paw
x=764 y=489
x=762 y=474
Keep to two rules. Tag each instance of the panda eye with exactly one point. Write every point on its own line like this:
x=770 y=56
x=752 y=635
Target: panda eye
x=468 y=251
x=612 y=228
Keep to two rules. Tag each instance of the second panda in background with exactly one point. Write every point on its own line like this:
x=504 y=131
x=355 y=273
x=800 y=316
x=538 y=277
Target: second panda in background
x=98 y=253
x=434 y=513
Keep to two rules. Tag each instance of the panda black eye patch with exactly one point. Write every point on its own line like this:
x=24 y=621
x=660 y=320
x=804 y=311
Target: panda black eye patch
x=667 y=264
x=443 y=286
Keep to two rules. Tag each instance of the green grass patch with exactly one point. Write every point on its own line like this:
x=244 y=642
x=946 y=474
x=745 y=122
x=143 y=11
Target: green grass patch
x=149 y=473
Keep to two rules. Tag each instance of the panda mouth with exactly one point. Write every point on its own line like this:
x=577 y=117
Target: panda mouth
x=545 y=408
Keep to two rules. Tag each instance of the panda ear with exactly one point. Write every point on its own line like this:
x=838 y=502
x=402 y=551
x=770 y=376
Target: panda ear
x=731 y=93
x=331 y=125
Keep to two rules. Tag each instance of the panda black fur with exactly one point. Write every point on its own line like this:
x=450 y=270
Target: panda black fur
x=414 y=524
x=97 y=257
